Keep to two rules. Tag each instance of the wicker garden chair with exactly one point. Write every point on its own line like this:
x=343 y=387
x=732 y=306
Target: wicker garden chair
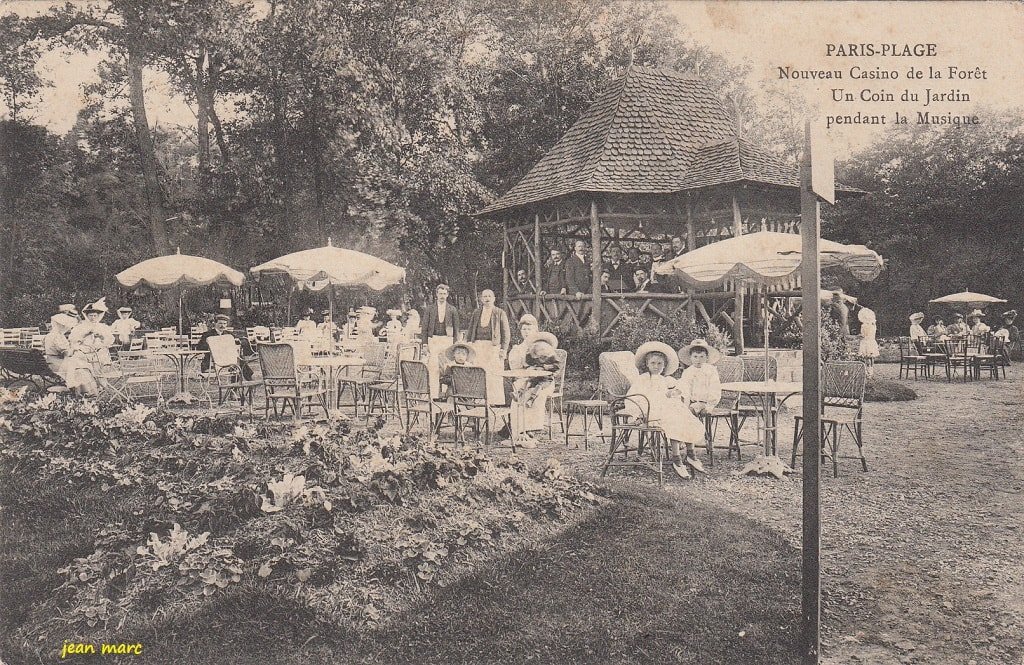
x=382 y=396
x=375 y=356
x=729 y=370
x=226 y=374
x=418 y=403
x=616 y=373
x=558 y=392
x=842 y=391
x=651 y=440
x=911 y=360
x=958 y=357
x=284 y=383
x=470 y=402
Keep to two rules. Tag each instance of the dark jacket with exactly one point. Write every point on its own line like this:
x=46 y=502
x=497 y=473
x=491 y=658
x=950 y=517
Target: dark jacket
x=500 y=328
x=554 y=278
x=451 y=320
x=620 y=277
x=577 y=276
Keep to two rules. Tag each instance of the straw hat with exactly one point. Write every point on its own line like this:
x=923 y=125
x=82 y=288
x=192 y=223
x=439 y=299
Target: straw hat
x=866 y=315
x=714 y=355
x=542 y=337
x=917 y=317
x=976 y=314
x=449 y=353
x=957 y=316
x=326 y=312
x=1010 y=314
x=68 y=309
x=671 y=360
x=63 y=321
x=222 y=317
x=99 y=306
x=394 y=312
x=124 y=310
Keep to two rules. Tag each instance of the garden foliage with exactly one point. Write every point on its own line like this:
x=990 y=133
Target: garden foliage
x=350 y=522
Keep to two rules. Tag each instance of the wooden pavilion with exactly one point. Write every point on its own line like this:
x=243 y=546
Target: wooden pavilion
x=655 y=156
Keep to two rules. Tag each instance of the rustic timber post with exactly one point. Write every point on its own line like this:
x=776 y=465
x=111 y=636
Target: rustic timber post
x=737 y=231
x=595 y=268
x=691 y=244
x=536 y=267
x=504 y=267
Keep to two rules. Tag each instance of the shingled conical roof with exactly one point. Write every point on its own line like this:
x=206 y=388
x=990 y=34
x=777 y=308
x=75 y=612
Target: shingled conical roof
x=653 y=131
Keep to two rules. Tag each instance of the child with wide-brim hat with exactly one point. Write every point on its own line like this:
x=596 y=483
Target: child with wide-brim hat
x=664 y=399
x=461 y=354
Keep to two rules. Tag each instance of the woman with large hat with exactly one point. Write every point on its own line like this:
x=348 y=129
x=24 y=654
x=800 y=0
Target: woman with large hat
x=55 y=344
x=90 y=342
x=530 y=395
x=916 y=331
x=656 y=362
x=978 y=327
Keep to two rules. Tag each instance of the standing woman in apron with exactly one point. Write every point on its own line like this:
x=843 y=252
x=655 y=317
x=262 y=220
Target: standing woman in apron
x=440 y=329
x=490 y=335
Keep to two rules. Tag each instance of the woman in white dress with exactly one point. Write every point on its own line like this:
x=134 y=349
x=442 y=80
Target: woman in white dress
x=668 y=409
x=90 y=343
x=868 y=344
x=55 y=344
x=534 y=394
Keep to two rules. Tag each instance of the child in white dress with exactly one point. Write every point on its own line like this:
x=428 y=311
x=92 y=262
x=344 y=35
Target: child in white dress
x=656 y=362
x=868 y=350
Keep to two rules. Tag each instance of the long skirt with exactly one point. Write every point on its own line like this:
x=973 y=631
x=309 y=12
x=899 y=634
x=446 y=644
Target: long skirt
x=436 y=345
x=530 y=418
x=488 y=357
x=80 y=369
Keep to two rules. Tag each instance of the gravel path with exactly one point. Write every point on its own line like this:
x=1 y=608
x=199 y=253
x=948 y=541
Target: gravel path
x=923 y=556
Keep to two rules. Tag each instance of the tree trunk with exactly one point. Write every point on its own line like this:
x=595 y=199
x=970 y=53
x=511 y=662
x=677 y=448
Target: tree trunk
x=147 y=155
x=212 y=75
x=202 y=117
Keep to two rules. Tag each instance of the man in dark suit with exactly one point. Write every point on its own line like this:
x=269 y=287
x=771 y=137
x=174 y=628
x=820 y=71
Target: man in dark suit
x=440 y=330
x=220 y=327
x=554 y=274
x=619 y=272
x=577 y=271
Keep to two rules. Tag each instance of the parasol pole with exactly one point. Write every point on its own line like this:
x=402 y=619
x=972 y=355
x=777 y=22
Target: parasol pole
x=181 y=323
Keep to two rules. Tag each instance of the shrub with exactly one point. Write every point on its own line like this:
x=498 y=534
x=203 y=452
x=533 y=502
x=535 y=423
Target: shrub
x=886 y=390
x=635 y=329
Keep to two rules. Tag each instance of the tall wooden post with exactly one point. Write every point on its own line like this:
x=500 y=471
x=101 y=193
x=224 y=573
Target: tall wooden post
x=810 y=277
x=595 y=268
x=538 y=259
x=691 y=244
x=504 y=267
x=737 y=231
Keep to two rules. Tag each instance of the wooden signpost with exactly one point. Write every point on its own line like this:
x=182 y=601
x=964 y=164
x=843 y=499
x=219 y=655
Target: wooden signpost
x=816 y=180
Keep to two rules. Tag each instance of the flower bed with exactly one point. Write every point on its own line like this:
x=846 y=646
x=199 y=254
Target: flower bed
x=352 y=523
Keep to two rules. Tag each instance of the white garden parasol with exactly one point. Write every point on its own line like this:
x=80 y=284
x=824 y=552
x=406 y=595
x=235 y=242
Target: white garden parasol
x=967 y=300
x=318 y=268
x=766 y=258
x=178 y=271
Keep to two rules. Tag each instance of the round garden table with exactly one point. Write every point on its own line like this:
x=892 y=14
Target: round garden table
x=335 y=364
x=767 y=393
x=181 y=359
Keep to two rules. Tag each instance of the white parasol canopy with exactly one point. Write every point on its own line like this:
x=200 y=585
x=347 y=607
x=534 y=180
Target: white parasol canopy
x=165 y=272
x=766 y=257
x=967 y=299
x=336 y=266
x=178 y=270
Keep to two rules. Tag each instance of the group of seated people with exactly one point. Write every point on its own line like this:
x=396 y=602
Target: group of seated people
x=361 y=323
x=77 y=347
x=939 y=331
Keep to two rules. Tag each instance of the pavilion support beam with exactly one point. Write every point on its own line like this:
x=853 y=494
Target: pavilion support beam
x=737 y=231
x=594 y=324
x=504 y=265
x=691 y=244
x=536 y=266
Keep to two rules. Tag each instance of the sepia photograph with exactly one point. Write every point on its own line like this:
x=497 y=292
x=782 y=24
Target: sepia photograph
x=522 y=331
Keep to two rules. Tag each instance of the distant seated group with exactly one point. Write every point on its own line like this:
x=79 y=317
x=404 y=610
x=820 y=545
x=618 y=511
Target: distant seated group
x=1006 y=330
x=632 y=272
x=77 y=348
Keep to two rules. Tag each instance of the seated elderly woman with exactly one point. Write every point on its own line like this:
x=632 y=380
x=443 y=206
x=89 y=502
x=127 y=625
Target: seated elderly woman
x=530 y=395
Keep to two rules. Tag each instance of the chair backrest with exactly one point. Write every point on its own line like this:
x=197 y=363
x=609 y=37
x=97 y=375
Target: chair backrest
x=616 y=372
x=955 y=348
x=277 y=363
x=842 y=383
x=136 y=343
x=10 y=337
x=559 y=377
x=223 y=350
x=754 y=368
x=469 y=386
x=374 y=355
x=37 y=341
x=415 y=377
x=155 y=340
x=730 y=369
